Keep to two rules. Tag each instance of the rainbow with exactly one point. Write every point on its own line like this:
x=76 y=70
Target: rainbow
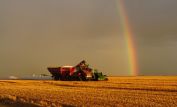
x=130 y=45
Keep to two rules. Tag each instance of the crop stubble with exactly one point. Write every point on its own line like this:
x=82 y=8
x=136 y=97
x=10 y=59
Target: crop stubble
x=117 y=91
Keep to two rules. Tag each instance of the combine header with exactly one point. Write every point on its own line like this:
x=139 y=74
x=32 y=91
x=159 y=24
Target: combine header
x=80 y=72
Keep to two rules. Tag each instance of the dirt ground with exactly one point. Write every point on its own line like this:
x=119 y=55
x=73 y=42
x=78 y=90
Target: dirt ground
x=141 y=91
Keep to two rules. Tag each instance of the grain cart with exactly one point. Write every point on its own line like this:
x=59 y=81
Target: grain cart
x=80 y=72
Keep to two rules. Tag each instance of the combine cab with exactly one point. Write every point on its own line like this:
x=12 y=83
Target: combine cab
x=80 y=72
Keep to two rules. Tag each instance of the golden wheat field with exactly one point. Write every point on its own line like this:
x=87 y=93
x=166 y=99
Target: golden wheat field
x=142 y=91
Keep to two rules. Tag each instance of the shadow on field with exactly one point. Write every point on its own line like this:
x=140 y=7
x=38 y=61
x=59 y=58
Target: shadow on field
x=119 y=88
x=5 y=102
x=7 y=81
x=18 y=104
x=65 y=105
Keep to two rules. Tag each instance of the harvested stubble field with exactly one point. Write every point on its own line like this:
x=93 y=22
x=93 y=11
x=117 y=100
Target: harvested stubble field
x=116 y=92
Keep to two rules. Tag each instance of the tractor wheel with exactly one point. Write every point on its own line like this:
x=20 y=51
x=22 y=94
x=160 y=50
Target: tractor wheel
x=56 y=78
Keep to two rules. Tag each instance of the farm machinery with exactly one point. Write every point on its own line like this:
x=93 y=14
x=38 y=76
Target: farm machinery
x=80 y=72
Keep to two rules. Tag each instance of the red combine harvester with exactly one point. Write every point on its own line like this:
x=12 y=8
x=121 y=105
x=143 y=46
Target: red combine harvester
x=80 y=72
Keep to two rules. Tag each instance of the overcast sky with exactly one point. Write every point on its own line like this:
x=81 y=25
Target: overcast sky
x=35 y=34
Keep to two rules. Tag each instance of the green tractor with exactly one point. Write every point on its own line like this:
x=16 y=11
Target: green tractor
x=99 y=76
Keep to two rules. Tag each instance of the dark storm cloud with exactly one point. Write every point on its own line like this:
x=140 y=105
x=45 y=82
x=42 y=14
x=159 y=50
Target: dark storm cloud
x=153 y=20
x=36 y=34
x=154 y=23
